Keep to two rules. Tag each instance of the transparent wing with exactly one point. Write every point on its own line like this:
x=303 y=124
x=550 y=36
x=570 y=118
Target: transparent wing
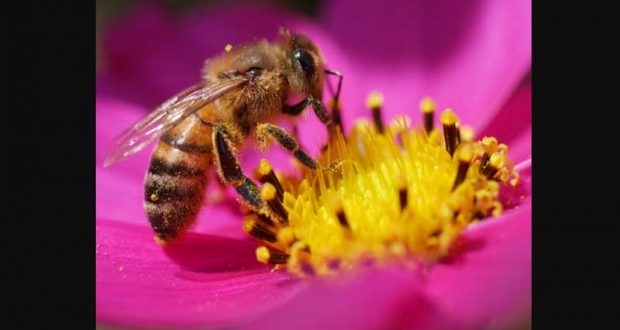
x=148 y=129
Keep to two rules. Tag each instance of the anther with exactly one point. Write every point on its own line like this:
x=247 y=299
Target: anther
x=490 y=146
x=268 y=193
x=465 y=156
x=467 y=134
x=375 y=101
x=428 y=106
x=265 y=174
x=286 y=236
x=300 y=253
x=265 y=256
x=450 y=130
x=496 y=161
x=257 y=231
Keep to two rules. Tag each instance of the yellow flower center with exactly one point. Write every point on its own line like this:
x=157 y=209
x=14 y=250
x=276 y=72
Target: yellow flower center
x=382 y=194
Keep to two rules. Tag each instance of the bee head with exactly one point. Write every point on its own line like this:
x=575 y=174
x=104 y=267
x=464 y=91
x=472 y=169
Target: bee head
x=306 y=64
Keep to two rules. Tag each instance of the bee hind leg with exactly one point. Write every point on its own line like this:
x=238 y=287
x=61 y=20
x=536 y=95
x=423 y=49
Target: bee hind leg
x=230 y=171
x=286 y=140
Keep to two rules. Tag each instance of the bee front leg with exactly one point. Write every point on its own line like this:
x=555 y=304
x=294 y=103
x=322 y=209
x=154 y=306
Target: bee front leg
x=317 y=107
x=230 y=171
x=287 y=141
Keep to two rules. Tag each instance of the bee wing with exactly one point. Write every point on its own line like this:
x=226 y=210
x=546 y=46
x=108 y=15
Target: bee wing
x=148 y=129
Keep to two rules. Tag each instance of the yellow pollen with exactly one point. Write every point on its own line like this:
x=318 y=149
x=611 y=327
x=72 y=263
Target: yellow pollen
x=262 y=254
x=374 y=100
x=427 y=105
x=467 y=133
x=286 y=236
x=248 y=224
x=448 y=117
x=154 y=197
x=264 y=168
x=391 y=196
x=228 y=48
x=268 y=192
x=466 y=153
x=490 y=144
x=497 y=160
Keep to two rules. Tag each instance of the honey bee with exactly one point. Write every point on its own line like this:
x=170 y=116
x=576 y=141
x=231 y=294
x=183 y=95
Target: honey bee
x=241 y=92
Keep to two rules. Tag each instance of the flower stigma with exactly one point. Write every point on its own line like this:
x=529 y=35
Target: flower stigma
x=381 y=194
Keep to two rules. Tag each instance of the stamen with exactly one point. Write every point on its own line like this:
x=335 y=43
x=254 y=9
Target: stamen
x=428 y=106
x=286 y=236
x=264 y=255
x=264 y=220
x=450 y=131
x=300 y=259
x=265 y=174
x=465 y=156
x=268 y=194
x=490 y=146
x=496 y=161
x=257 y=231
x=405 y=191
x=375 y=101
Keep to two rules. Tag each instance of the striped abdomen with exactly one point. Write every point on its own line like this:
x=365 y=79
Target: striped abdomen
x=177 y=177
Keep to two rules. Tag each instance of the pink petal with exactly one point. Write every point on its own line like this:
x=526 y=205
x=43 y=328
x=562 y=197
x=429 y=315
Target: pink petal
x=142 y=55
x=513 y=122
x=520 y=148
x=489 y=285
x=201 y=280
x=468 y=56
x=380 y=299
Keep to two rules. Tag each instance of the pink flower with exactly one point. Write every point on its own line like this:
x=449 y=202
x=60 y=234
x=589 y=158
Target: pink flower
x=471 y=57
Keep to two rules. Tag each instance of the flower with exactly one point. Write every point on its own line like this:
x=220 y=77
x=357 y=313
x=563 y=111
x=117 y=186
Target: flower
x=472 y=58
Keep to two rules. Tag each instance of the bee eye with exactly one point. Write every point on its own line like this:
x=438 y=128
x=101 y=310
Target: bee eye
x=306 y=61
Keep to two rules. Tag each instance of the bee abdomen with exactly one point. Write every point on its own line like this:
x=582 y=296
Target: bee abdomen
x=172 y=197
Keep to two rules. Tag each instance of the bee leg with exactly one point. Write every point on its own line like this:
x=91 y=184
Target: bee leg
x=317 y=107
x=287 y=141
x=230 y=171
x=336 y=118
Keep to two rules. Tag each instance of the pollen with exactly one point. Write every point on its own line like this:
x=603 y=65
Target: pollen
x=375 y=100
x=228 y=48
x=427 y=105
x=401 y=194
